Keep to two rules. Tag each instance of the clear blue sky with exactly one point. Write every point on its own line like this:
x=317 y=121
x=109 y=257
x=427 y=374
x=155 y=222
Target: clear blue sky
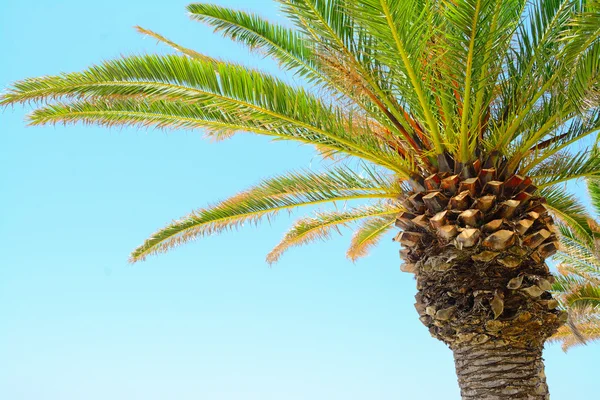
x=207 y=321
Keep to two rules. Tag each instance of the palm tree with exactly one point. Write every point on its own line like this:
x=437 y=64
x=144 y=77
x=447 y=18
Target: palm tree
x=462 y=114
x=577 y=286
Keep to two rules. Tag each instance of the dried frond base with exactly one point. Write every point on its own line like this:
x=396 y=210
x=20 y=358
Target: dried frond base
x=477 y=247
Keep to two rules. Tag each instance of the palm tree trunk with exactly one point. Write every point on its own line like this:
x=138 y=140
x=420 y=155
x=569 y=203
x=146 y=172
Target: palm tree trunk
x=476 y=242
x=495 y=319
x=497 y=371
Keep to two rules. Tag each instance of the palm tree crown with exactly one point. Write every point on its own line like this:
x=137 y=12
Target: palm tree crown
x=412 y=88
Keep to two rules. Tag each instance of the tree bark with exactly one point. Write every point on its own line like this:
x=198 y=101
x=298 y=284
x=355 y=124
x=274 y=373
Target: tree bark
x=498 y=371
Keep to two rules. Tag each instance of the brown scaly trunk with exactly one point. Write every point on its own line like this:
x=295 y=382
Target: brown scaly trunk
x=495 y=319
x=495 y=371
x=476 y=242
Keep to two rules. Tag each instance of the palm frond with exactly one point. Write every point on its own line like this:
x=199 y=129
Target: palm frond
x=569 y=130
x=231 y=89
x=577 y=285
x=159 y=114
x=567 y=209
x=578 y=259
x=400 y=33
x=577 y=294
x=580 y=54
x=368 y=235
x=188 y=52
x=348 y=50
x=540 y=72
x=293 y=50
x=477 y=34
x=266 y=199
x=566 y=167
x=584 y=88
x=594 y=190
x=589 y=330
x=288 y=46
x=323 y=224
x=169 y=114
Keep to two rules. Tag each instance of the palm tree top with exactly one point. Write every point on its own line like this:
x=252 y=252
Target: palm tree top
x=411 y=88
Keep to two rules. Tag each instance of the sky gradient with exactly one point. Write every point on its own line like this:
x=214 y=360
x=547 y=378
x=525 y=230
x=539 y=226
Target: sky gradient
x=210 y=320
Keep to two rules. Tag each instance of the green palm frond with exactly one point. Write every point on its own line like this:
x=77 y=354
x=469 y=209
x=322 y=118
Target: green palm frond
x=594 y=190
x=231 y=89
x=582 y=54
x=578 y=258
x=266 y=199
x=350 y=54
x=586 y=296
x=565 y=208
x=538 y=48
x=540 y=72
x=287 y=46
x=577 y=285
x=478 y=33
x=585 y=86
x=159 y=114
x=580 y=296
x=577 y=292
x=566 y=167
x=294 y=52
x=323 y=224
x=567 y=134
x=173 y=115
x=419 y=80
x=368 y=235
x=399 y=46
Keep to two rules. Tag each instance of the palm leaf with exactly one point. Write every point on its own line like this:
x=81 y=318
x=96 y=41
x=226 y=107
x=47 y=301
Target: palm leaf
x=577 y=286
x=587 y=295
x=171 y=114
x=289 y=47
x=566 y=167
x=368 y=235
x=478 y=32
x=543 y=70
x=571 y=131
x=188 y=52
x=271 y=196
x=401 y=45
x=578 y=259
x=323 y=224
x=594 y=190
x=347 y=50
x=565 y=208
x=589 y=330
x=231 y=89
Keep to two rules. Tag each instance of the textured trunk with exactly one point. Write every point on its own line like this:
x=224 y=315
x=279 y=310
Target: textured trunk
x=494 y=318
x=497 y=371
